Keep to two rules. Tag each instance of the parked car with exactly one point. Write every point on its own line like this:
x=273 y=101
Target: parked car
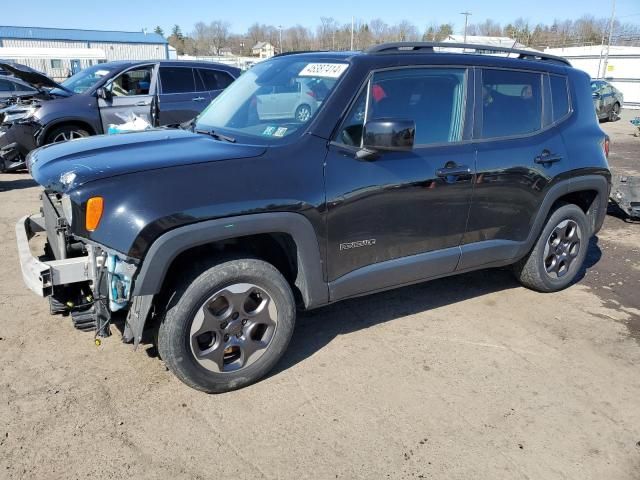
x=418 y=164
x=607 y=100
x=298 y=101
x=163 y=92
x=11 y=87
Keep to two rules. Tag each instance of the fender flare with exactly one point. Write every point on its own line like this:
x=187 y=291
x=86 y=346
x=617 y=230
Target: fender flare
x=167 y=247
x=599 y=183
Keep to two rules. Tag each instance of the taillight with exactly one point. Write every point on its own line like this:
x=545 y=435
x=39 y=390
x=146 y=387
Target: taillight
x=605 y=146
x=311 y=94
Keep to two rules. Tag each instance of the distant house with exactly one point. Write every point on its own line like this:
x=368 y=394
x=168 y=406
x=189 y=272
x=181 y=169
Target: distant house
x=263 y=50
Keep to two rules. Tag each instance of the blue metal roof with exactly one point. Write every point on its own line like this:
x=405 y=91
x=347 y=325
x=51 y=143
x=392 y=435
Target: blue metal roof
x=38 y=33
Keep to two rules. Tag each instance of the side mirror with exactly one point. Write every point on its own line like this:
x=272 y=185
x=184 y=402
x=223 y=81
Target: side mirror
x=595 y=95
x=104 y=93
x=389 y=134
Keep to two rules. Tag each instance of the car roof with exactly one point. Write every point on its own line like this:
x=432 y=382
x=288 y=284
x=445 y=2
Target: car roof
x=170 y=63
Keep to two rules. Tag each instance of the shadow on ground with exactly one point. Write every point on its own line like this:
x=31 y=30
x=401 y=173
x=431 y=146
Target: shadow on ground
x=17 y=184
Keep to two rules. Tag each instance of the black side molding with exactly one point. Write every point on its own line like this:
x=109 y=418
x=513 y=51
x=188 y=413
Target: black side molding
x=167 y=247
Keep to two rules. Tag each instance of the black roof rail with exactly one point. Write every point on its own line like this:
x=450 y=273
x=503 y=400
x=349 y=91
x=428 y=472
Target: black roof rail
x=429 y=47
x=296 y=52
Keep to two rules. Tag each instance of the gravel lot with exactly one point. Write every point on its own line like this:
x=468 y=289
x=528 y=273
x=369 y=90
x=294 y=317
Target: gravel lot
x=466 y=377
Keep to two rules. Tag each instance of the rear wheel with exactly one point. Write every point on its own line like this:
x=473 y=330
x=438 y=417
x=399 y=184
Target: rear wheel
x=614 y=113
x=65 y=133
x=303 y=113
x=227 y=326
x=559 y=252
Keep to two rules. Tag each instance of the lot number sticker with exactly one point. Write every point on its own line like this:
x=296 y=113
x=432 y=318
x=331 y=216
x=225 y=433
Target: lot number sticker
x=327 y=70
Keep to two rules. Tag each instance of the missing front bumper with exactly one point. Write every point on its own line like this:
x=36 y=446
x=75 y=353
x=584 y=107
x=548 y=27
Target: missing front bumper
x=42 y=275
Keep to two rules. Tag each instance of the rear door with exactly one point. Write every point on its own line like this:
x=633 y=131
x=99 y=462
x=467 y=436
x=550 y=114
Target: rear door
x=214 y=81
x=131 y=93
x=519 y=152
x=179 y=100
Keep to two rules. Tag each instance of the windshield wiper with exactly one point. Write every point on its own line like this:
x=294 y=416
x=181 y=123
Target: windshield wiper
x=217 y=136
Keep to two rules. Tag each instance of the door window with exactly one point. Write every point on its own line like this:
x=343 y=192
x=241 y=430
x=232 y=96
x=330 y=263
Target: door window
x=132 y=82
x=511 y=103
x=559 y=97
x=6 y=86
x=215 y=79
x=177 y=80
x=432 y=97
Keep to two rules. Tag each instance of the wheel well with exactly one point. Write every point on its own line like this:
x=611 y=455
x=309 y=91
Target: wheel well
x=585 y=199
x=71 y=123
x=278 y=249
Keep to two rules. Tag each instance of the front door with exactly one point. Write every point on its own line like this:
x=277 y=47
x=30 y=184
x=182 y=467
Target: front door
x=131 y=95
x=402 y=213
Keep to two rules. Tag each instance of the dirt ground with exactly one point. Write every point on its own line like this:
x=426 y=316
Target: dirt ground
x=466 y=377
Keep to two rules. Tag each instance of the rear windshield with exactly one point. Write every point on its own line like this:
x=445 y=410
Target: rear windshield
x=273 y=100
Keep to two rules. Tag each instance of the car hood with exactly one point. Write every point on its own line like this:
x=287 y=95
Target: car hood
x=31 y=76
x=66 y=166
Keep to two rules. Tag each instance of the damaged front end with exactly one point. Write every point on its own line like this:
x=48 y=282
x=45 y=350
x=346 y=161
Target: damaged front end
x=84 y=280
x=625 y=193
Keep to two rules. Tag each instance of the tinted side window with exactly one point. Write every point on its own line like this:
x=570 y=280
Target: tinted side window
x=177 y=80
x=215 y=80
x=6 y=86
x=559 y=97
x=432 y=97
x=511 y=103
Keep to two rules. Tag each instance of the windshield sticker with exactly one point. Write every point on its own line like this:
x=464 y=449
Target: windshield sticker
x=327 y=70
x=269 y=131
x=280 y=132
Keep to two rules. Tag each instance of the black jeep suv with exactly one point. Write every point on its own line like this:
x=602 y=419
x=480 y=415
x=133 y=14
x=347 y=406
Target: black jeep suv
x=414 y=163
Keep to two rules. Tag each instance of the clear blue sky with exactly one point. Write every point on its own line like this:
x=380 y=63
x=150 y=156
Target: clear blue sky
x=135 y=14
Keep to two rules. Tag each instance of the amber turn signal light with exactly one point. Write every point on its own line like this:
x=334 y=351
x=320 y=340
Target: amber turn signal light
x=94 y=213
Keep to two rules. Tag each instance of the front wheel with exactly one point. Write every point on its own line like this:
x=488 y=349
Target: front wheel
x=559 y=252
x=228 y=326
x=614 y=114
x=66 y=133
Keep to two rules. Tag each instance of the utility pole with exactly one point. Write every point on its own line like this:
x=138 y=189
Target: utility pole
x=280 y=28
x=352 y=20
x=606 y=53
x=466 y=22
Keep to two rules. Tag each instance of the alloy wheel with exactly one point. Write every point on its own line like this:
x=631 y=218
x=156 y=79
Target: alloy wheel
x=67 y=135
x=303 y=114
x=233 y=328
x=562 y=248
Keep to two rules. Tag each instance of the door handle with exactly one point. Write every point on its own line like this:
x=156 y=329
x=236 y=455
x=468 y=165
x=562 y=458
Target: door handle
x=454 y=171
x=142 y=103
x=547 y=157
x=198 y=99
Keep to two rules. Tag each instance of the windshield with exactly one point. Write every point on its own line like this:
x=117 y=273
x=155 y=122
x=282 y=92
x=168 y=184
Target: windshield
x=274 y=99
x=85 y=79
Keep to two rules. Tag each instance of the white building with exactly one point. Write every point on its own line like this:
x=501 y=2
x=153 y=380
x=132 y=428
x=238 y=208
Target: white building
x=622 y=69
x=263 y=50
x=107 y=44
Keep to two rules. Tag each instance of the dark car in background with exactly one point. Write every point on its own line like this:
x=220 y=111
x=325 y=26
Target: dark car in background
x=11 y=87
x=607 y=100
x=161 y=92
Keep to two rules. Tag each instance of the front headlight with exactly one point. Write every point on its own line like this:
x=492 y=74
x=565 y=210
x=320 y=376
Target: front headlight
x=66 y=208
x=19 y=113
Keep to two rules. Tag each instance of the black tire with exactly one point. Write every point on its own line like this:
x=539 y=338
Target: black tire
x=70 y=131
x=299 y=111
x=175 y=340
x=614 y=113
x=532 y=270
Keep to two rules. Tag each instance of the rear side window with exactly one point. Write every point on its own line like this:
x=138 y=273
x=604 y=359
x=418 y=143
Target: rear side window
x=559 y=97
x=177 y=80
x=511 y=103
x=215 y=79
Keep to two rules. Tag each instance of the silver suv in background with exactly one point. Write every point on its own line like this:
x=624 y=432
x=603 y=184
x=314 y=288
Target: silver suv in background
x=607 y=100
